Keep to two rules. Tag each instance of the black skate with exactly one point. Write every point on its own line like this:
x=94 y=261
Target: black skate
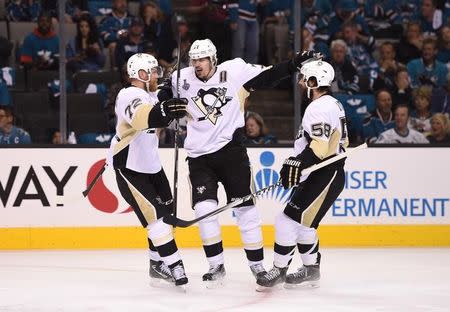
x=258 y=270
x=307 y=275
x=271 y=278
x=215 y=276
x=159 y=273
x=178 y=273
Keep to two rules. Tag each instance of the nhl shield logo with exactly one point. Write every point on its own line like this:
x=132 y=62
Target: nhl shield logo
x=210 y=103
x=185 y=85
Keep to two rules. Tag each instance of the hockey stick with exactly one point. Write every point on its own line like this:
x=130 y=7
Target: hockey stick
x=177 y=129
x=61 y=200
x=173 y=220
x=92 y=183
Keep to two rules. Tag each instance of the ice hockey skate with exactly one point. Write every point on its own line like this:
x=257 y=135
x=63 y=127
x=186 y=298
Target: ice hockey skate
x=258 y=270
x=306 y=276
x=179 y=275
x=271 y=278
x=159 y=274
x=215 y=276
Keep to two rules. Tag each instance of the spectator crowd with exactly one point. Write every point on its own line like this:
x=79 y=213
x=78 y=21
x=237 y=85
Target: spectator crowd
x=391 y=59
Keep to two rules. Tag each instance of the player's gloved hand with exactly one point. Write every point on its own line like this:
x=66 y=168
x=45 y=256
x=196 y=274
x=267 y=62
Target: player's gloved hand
x=165 y=90
x=174 y=108
x=305 y=56
x=290 y=172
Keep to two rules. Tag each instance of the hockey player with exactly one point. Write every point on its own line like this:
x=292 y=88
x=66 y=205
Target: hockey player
x=134 y=156
x=323 y=134
x=216 y=95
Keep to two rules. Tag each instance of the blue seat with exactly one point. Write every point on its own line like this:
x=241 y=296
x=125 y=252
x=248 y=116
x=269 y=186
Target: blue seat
x=95 y=138
x=357 y=107
x=99 y=7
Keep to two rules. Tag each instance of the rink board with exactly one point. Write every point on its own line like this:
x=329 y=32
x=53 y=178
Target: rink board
x=392 y=197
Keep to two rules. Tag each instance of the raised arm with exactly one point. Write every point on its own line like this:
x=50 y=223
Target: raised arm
x=272 y=76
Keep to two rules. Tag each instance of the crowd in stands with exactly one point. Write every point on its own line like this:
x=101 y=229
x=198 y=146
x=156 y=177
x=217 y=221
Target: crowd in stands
x=391 y=58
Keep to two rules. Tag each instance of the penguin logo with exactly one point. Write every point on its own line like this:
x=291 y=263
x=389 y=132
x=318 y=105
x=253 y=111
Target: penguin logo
x=210 y=103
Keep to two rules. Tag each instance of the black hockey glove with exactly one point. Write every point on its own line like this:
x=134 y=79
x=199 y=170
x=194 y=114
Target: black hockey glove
x=302 y=57
x=174 y=108
x=290 y=172
x=165 y=90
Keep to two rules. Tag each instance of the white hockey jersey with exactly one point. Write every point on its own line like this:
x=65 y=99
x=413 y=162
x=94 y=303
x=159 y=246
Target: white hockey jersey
x=216 y=107
x=391 y=136
x=423 y=125
x=323 y=128
x=143 y=153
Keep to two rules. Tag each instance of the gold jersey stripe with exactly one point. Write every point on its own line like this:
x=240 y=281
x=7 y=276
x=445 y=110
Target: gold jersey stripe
x=147 y=209
x=310 y=213
x=140 y=117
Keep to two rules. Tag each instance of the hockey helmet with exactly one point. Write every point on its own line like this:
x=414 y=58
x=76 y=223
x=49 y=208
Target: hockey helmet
x=321 y=70
x=203 y=48
x=145 y=62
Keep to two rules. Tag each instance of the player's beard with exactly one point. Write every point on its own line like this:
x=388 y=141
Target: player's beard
x=152 y=85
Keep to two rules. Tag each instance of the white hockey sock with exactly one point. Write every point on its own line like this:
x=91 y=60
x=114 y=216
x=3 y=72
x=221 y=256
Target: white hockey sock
x=285 y=240
x=153 y=253
x=161 y=235
x=308 y=245
x=210 y=232
x=249 y=222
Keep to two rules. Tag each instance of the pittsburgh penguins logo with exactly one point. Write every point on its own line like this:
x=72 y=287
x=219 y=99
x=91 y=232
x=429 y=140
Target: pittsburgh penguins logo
x=210 y=102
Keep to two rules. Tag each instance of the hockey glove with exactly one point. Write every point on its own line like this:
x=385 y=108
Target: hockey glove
x=290 y=172
x=305 y=56
x=174 y=108
x=165 y=90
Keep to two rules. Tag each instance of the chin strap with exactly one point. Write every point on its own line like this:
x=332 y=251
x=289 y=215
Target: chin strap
x=147 y=82
x=309 y=91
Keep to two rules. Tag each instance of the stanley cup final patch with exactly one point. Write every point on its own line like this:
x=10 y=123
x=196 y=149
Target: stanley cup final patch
x=185 y=85
x=210 y=103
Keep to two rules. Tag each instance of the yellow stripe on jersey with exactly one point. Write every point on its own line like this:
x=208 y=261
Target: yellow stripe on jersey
x=323 y=148
x=242 y=96
x=126 y=134
x=310 y=213
x=139 y=120
x=146 y=208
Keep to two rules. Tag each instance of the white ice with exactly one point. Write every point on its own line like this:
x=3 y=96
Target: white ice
x=117 y=280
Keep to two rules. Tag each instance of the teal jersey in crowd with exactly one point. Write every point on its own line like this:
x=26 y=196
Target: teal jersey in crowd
x=16 y=136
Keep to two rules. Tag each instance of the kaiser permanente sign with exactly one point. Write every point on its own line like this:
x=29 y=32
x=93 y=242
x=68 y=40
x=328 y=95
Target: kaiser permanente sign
x=392 y=197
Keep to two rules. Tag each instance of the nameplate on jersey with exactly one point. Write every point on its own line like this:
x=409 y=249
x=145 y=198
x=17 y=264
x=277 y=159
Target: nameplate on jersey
x=210 y=102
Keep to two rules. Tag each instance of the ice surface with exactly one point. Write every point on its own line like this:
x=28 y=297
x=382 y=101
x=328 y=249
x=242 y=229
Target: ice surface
x=117 y=280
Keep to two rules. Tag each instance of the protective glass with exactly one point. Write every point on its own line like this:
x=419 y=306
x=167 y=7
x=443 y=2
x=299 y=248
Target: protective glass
x=158 y=71
x=301 y=77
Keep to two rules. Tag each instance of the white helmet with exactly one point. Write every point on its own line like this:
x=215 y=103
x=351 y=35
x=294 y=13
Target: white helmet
x=145 y=62
x=321 y=70
x=203 y=48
